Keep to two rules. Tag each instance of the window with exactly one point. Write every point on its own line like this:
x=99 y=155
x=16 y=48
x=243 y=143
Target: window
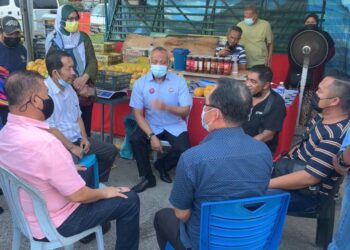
x=4 y=2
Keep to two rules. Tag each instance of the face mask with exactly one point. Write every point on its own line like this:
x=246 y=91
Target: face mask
x=158 y=71
x=257 y=95
x=11 y=41
x=205 y=125
x=314 y=103
x=71 y=26
x=48 y=107
x=249 y=21
x=62 y=82
x=310 y=26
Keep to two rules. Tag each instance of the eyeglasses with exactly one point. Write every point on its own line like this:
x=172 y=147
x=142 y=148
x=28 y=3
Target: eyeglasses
x=75 y=18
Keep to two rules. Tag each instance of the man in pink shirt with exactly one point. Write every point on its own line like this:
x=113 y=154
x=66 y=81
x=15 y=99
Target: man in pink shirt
x=39 y=158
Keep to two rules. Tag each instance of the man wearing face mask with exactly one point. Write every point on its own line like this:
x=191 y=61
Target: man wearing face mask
x=266 y=119
x=13 y=55
x=257 y=38
x=66 y=122
x=227 y=165
x=32 y=153
x=161 y=103
x=321 y=142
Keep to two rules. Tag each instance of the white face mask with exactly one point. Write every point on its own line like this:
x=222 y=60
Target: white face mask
x=205 y=125
x=249 y=21
x=158 y=70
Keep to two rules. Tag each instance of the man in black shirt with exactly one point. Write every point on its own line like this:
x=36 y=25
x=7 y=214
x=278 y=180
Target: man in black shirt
x=266 y=119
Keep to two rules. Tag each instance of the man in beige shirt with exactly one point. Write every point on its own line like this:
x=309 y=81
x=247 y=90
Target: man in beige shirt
x=257 y=38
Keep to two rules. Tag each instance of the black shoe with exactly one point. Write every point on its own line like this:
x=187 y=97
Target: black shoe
x=163 y=174
x=144 y=184
x=1 y=210
x=105 y=228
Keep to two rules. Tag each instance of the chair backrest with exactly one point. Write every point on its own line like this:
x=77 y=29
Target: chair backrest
x=11 y=186
x=251 y=223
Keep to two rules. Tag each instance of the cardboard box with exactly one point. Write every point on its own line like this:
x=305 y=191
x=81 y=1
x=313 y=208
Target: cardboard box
x=104 y=47
x=132 y=55
x=109 y=59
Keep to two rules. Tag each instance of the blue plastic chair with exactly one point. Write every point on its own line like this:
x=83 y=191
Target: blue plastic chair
x=11 y=186
x=251 y=223
x=91 y=161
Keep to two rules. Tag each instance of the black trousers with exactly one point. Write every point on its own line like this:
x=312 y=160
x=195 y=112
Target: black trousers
x=4 y=110
x=141 y=148
x=167 y=229
x=86 y=115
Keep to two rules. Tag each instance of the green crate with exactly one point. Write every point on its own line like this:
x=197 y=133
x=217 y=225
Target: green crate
x=112 y=80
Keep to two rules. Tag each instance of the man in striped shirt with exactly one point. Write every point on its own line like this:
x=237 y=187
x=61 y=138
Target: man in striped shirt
x=233 y=49
x=321 y=143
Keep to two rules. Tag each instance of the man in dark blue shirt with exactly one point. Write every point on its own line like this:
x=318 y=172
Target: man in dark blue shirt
x=13 y=53
x=227 y=165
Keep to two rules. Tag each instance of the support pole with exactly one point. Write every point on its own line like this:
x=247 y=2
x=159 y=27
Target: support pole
x=28 y=42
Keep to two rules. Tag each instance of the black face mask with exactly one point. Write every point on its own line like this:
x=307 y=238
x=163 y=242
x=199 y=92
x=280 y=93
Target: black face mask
x=314 y=103
x=257 y=95
x=311 y=26
x=48 y=107
x=11 y=41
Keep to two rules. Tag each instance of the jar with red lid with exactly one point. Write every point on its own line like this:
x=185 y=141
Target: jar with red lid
x=220 y=66
x=213 y=65
x=227 y=66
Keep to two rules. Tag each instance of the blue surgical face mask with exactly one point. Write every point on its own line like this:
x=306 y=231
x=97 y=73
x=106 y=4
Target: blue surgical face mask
x=205 y=125
x=158 y=71
x=248 y=21
x=62 y=82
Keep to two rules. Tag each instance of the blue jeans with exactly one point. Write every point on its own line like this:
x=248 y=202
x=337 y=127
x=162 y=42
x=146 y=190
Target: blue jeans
x=341 y=237
x=126 y=212
x=298 y=202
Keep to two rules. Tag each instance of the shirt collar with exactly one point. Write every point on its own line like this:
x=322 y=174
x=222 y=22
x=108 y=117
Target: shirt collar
x=23 y=120
x=52 y=85
x=149 y=76
x=224 y=133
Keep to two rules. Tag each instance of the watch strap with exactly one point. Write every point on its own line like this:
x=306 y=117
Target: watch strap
x=149 y=136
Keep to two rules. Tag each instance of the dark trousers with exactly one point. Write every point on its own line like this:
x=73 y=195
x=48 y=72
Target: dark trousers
x=86 y=115
x=141 y=148
x=105 y=154
x=167 y=229
x=126 y=212
x=4 y=111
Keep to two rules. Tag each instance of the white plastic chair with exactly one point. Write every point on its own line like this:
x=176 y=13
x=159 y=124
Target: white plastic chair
x=11 y=186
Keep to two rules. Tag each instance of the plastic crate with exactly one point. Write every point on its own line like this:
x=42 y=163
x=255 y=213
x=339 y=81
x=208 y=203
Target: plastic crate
x=111 y=80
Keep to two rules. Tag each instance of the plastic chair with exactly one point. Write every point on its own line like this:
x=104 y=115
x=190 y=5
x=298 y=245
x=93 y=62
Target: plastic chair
x=251 y=223
x=11 y=186
x=325 y=216
x=91 y=161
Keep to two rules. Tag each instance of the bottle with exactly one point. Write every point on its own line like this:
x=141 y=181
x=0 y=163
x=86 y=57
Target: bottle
x=227 y=66
x=200 y=64
x=281 y=89
x=188 y=63
x=220 y=66
x=206 y=65
x=213 y=65
x=235 y=65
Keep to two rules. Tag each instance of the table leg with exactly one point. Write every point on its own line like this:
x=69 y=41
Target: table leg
x=102 y=122
x=111 y=115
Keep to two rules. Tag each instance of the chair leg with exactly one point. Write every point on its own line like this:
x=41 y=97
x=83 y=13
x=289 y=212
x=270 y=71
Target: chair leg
x=324 y=231
x=99 y=239
x=16 y=238
x=35 y=245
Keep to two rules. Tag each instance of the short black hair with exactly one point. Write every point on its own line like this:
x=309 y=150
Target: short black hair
x=313 y=15
x=341 y=88
x=234 y=28
x=252 y=8
x=264 y=72
x=53 y=60
x=20 y=85
x=234 y=100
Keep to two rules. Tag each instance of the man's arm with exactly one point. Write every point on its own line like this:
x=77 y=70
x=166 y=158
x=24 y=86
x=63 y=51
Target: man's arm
x=182 y=215
x=82 y=128
x=297 y=180
x=176 y=110
x=89 y=195
x=66 y=143
x=265 y=136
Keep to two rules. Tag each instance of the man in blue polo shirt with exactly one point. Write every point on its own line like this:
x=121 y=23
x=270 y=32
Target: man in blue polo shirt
x=227 y=165
x=161 y=103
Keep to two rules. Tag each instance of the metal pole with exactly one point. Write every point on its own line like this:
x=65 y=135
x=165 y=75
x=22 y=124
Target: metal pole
x=28 y=42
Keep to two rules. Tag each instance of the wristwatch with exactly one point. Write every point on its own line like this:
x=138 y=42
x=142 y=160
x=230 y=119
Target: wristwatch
x=149 y=136
x=340 y=159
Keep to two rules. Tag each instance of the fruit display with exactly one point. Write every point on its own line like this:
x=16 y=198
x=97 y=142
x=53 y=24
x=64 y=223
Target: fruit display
x=203 y=91
x=39 y=66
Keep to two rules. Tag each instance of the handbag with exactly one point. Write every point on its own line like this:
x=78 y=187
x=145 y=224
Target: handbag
x=285 y=165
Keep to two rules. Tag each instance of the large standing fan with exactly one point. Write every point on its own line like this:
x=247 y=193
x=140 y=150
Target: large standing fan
x=308 y=49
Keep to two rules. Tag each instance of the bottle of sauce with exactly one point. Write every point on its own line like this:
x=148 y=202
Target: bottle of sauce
x=195 y=64
x=200 y=64
x=207 y=65
x=188 y=63
x=220 y=66
x=227 y=66
x=214 y=65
